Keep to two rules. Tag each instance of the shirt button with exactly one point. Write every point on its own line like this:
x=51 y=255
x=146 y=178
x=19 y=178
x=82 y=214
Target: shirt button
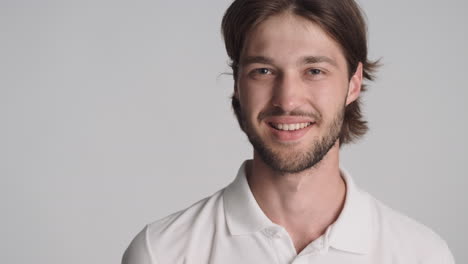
x=268 y=232
x=272 y=232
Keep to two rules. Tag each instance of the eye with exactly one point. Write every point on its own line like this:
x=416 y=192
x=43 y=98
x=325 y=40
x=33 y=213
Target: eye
x=315 y=71
x=262 y=71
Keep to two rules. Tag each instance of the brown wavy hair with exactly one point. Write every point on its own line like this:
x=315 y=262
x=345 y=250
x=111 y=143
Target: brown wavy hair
x=341 y=19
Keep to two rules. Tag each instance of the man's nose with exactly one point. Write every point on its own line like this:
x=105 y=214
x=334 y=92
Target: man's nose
x=288 y=92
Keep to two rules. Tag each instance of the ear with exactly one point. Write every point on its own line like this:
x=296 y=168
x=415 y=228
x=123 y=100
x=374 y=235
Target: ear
x=355 y=85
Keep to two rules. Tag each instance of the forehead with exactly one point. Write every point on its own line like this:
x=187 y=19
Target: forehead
x=287 y=36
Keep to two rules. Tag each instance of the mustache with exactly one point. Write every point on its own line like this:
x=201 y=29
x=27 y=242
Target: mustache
x=277 y=111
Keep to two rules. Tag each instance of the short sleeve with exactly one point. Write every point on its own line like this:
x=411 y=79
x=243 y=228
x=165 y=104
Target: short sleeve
x=138 y=251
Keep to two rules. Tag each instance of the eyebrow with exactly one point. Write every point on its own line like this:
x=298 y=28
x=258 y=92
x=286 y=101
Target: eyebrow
x=304 y=60
x=256 y=59
x=318 y=59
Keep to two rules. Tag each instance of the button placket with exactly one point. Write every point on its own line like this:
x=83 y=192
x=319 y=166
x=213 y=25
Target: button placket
x=281 y=244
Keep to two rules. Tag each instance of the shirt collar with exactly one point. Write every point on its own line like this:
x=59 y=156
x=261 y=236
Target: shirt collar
x=350 y=232
x=243 y=214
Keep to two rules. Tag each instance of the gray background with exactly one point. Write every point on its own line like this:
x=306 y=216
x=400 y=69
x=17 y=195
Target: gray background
x=116 y=113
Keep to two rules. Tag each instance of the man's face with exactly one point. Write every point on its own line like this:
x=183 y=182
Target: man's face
x=293 y=86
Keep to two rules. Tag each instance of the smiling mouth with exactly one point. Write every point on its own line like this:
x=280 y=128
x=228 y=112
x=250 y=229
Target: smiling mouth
x=290 y=127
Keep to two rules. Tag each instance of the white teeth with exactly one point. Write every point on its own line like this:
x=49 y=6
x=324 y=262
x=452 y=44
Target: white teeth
x=290 y=127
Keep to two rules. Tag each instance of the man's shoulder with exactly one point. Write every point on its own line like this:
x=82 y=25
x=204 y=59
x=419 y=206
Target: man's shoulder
x=402 y=224
x=406 y=233
x=175 y=233
x=202 y=210
x=199 y=217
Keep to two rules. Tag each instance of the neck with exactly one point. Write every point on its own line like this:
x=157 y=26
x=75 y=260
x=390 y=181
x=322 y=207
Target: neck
x=304 y=203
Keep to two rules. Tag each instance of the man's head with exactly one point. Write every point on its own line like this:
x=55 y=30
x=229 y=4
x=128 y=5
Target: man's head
x=298 y=68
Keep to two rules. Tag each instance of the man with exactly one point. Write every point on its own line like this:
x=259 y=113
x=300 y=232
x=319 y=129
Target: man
x=298 y=68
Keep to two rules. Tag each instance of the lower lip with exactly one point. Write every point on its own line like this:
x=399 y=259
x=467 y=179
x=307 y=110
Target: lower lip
x=293 y=135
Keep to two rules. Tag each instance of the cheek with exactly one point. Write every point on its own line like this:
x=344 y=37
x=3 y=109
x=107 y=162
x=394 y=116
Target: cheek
x=336 y=89
x=253 y=99
x=329 y=97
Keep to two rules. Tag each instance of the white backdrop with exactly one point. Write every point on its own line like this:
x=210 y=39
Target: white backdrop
x=116 y=113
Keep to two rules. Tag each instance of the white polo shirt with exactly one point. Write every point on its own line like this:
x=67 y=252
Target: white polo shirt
x=230 y=228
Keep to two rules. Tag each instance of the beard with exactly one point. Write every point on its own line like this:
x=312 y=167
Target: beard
x=286 y=161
